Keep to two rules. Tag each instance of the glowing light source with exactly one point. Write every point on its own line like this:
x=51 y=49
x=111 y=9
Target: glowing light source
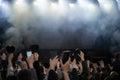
x=88 y=10
x=63 y=7
x=20 y=5
x=72 y=5
x=5 y=7
x=54 y=6
x=63 y=4
x=107 y=5
x=90 y=6
x=41 y=4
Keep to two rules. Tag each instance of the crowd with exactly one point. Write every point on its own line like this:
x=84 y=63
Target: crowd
x=67 y=66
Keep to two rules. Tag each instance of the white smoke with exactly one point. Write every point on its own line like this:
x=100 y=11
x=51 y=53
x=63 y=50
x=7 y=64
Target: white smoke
x=62 y=24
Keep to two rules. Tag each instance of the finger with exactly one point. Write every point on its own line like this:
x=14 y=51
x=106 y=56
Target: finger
x=55 y=57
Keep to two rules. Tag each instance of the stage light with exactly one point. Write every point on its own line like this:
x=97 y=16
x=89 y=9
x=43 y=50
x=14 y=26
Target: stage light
x=54 y=5
x=20 y=6
x=107 y=5
x=19 y=2
x=5 y=7
x=81 y=3
x=72 y=5
x=88 y=10
x=91 y=6
x=63 y=3
x=85 y=4
x=63 y=6
x=41 y=6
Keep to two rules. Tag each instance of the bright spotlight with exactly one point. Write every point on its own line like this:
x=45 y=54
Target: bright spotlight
x=41 y=4
x=54 y=6
x=71 y=5
x=108 y=6
x=85 y=4
x=63 y=5
x=5 y=7
x=82 y=3
x=20 y=6
x=19 y=2
x=92 y=6
x=88 y=9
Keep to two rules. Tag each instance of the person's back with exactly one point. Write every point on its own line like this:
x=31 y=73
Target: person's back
x=25 y=75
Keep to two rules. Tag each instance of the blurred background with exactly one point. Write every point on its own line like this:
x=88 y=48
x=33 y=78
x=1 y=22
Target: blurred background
x=91 y=25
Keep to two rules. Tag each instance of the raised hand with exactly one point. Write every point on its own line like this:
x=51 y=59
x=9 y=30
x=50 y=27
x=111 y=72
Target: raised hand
x=74 y=64
x=65 y=67
x=101 y=64
x=31 y=61
x=81 y=55
x=53 y=62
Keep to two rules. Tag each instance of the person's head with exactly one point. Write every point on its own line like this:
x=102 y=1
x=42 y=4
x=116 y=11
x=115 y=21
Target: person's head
x=11 y=56
x=78 y=55
x=25 y=74
x=36 y=56
x=19 y=56
x=3 y=56
x=10 y=49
